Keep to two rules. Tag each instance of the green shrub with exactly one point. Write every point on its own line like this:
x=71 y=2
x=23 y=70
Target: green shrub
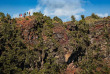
x=27 y=18
x=57 y=19
x=73 y=18
x=95 y=16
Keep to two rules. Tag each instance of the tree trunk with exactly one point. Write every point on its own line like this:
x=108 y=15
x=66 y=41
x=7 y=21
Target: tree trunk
x=43 y=55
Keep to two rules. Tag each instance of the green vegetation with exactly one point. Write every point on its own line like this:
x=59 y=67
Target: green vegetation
x=73 y=18
x=57 y=19
x=95 y=16
x=27 y=18
x=2 y=16
x=8 y=17
x=82 y=16
x=40 y=48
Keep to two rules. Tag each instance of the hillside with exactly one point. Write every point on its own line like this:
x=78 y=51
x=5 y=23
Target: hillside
x=40 y=45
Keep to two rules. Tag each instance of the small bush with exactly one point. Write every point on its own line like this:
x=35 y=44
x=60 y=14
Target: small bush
x=57 y=19
x=95 y=16
x=27 y=18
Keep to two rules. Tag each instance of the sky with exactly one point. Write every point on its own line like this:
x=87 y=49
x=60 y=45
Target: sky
x=61 y=8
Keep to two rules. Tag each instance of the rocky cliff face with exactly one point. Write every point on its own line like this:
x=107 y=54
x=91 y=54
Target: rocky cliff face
x=58 y=43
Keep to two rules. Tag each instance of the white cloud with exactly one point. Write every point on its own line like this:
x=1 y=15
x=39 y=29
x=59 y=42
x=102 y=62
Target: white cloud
x=15 y=15
x=102 y=15
x=77 y=16
x=37 y=9
x=60 y=8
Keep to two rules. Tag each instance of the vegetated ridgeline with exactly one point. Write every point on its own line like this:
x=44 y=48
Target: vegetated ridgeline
x=40 y=45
